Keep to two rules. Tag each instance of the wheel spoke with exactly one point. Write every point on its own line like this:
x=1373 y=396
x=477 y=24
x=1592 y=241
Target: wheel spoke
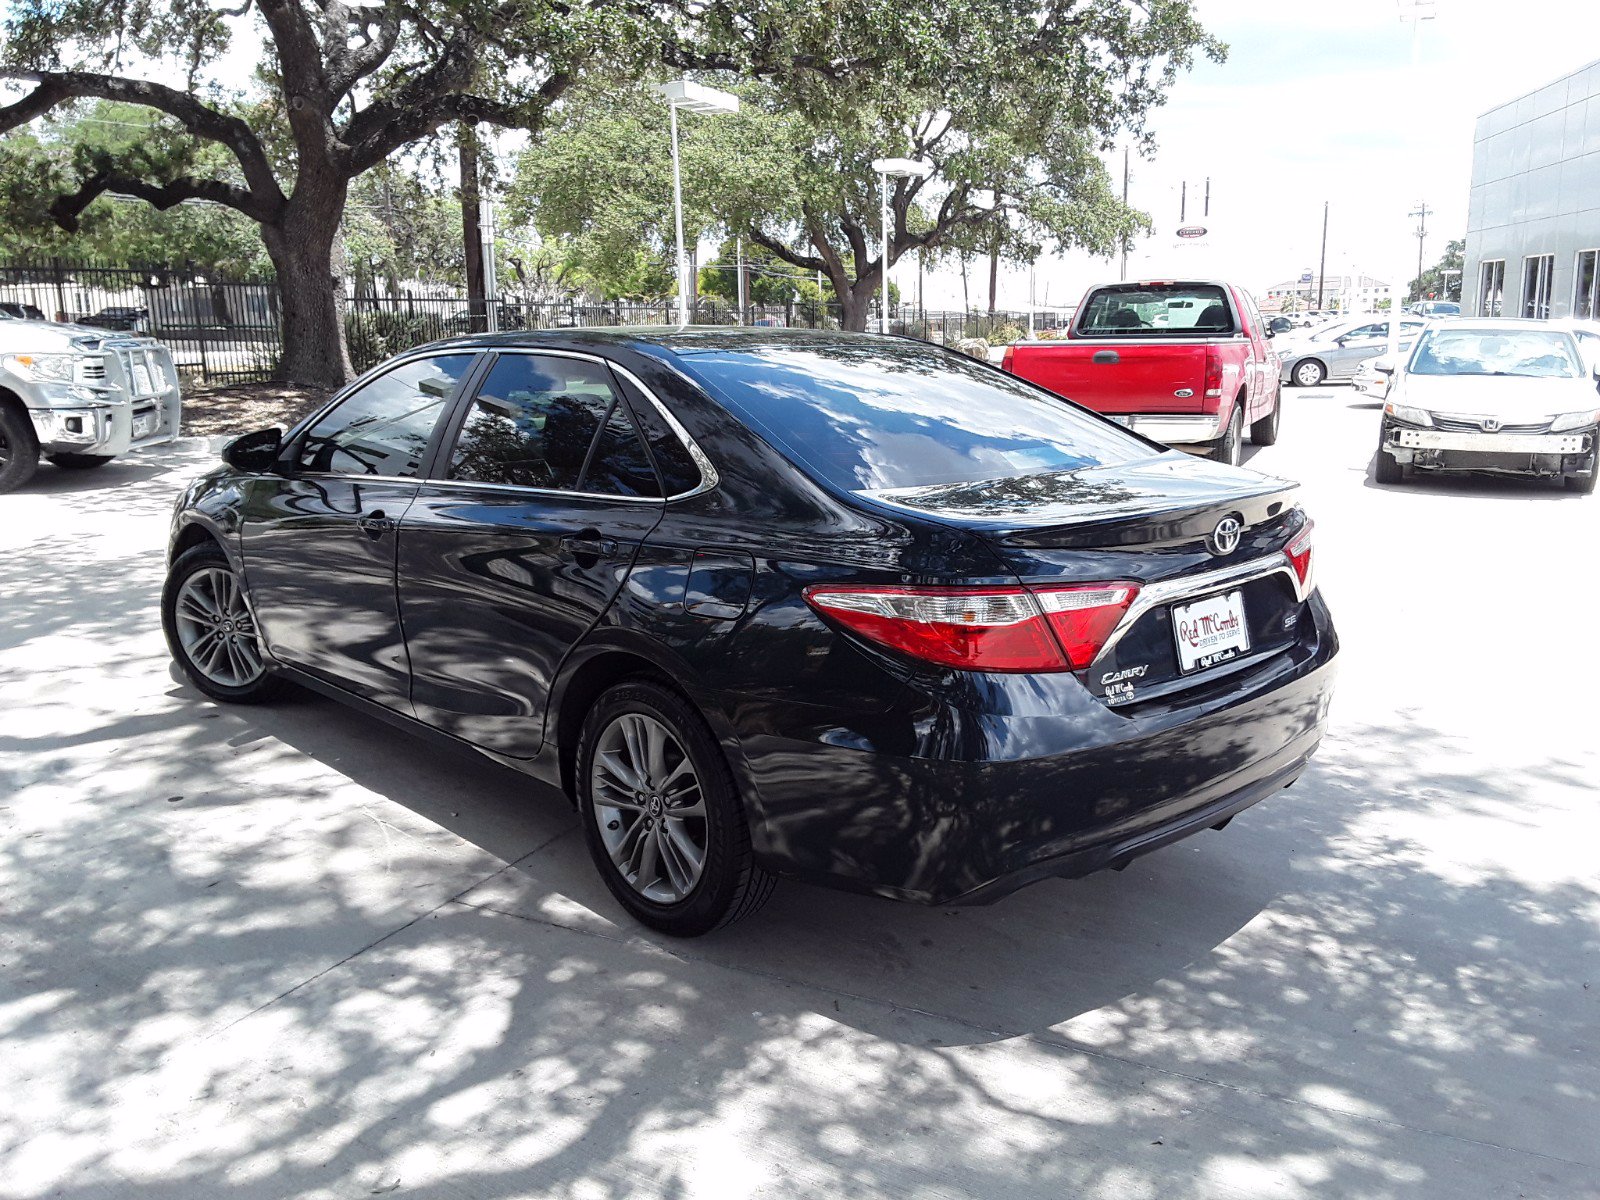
x=655 y=765
x=649 y=857
x=612 y=763
x=626 y=850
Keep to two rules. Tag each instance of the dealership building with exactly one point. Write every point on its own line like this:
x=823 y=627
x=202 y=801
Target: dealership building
x=1533 y=224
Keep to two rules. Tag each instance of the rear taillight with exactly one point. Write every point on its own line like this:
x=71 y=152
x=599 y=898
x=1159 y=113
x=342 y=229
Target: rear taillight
x=1298 y=552
x=983 y=629
x=1213 y=372
x=1005 y=359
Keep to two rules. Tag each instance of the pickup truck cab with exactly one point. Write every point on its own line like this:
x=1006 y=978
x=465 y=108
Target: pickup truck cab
x=78 y=397
x=1187 y=363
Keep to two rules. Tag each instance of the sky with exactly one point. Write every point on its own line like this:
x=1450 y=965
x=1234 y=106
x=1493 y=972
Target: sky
x=1318 y=101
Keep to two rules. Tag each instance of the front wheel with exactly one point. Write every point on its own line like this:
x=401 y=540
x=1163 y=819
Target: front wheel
x=1583 y=484
x=19 y=448
x=1386 y=468
x=80 y=462
x=1229 y=448
x=1309 y=373
x=211 y=631
x=662 y=815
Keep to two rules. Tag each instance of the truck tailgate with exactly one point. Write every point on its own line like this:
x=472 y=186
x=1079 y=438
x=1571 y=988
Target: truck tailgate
x=1117 y=375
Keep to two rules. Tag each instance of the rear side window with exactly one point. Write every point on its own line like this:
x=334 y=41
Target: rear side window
x=866 y=417
x=1153 y=309
x=384 y=427
x=679 y=472
x=553 y=423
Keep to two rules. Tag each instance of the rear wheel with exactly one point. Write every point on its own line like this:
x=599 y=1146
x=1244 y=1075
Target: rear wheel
x=79 y=462
x=1229 y=448
x=19 y=448
x=662 y=815
x=1309 y=373
x=1265 y=431
x=211 y=631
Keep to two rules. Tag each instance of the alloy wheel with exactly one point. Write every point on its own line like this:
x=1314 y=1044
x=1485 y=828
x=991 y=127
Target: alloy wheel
x=649 y=807
x=216 y=630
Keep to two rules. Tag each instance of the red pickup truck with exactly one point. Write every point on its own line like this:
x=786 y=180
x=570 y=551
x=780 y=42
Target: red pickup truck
x=1182 y=362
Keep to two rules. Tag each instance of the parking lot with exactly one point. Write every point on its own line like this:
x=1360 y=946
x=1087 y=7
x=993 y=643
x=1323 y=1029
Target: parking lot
x=290 y=951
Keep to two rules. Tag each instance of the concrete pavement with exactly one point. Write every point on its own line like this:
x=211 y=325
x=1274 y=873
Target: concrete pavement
x=292 y=952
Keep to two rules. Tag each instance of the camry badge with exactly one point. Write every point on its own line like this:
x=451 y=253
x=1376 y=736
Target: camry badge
x=1225 y=537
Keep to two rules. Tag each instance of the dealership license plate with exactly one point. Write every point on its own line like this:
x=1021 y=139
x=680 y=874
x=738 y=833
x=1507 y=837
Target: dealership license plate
x=1210 y=631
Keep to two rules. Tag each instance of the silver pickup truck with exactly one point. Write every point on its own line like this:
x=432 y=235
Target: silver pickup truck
x=79 y=396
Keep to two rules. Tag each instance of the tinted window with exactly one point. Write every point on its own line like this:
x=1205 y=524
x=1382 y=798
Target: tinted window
x=863 y=417
x=1156 y=308
x=679 y=472
x=383 y=429
x=552 y=423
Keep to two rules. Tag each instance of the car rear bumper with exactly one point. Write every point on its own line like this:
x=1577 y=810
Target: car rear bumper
x=1172 y=429
x=959 y=806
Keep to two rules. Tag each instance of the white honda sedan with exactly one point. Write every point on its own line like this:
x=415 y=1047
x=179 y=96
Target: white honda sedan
x=1497 y=396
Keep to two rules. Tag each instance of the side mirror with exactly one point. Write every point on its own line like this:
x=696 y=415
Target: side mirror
x=1384 y=365
x=254 y=452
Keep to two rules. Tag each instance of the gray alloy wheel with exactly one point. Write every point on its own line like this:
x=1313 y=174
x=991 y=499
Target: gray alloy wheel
x=1309 y=373
x=648 y=807
x=215 y=628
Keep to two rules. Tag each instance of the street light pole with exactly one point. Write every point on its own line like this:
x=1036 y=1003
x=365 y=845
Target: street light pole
x=692 y=97
x=898 y=168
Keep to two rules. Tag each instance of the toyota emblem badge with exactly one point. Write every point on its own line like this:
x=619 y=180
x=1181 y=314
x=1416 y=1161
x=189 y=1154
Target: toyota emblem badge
x=1225 y=537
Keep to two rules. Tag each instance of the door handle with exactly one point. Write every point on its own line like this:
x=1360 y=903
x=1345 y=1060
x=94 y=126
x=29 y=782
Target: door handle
x=374 y=524
x=587 y=545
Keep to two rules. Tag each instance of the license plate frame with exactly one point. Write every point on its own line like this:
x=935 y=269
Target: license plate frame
x=1210 y=630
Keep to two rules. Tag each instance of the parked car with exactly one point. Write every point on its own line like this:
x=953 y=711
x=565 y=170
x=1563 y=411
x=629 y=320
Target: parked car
x=1370 y=381
x=78 y=398
x=121 y=317
x=17 y=311
x=852 y=609
x=1184 y=363
x=1503 y=397
x=1333 y=352
x=1434 y=308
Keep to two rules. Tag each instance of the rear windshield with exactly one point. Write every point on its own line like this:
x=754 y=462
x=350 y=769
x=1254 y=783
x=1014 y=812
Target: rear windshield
x=870 y=417
x=1153 y=309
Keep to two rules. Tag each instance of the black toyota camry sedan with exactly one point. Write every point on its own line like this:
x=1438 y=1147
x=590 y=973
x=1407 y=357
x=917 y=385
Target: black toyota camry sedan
x=765 y=603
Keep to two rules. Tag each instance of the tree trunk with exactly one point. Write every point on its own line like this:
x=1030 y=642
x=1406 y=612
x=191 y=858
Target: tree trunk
x=301 y=247
x=471 y=232
x=994 y=275
x=855 y=303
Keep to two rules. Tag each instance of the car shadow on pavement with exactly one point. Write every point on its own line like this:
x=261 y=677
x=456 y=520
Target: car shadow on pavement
x=1486 y=487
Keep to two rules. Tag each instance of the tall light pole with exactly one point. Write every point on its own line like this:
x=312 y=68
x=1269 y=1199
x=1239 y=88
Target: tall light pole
x=696 y=98
x=896 y=168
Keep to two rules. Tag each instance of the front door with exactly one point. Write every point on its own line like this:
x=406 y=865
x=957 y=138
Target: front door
x=319 y=541
x=519 y=544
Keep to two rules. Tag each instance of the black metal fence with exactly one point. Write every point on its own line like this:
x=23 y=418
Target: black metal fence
x=221 y=330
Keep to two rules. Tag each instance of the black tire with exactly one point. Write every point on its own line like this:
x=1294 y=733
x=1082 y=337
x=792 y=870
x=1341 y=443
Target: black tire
x=80 y=462
x=730 y=885
x=208 y=556
x=1229 y=448
x=1265 y=431
x=1386 y=468
x=1308 y=372
x=19 y=447
x=1583 y=484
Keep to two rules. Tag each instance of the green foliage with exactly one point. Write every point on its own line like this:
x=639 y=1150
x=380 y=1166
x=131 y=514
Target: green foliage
x=1435 y=281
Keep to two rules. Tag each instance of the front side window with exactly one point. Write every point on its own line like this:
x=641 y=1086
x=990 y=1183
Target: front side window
x=1492 y=287
x=1524 y=353
x=552 y=423
x=384 y=427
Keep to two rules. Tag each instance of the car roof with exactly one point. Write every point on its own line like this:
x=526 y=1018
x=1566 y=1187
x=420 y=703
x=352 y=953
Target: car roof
x=679 y=339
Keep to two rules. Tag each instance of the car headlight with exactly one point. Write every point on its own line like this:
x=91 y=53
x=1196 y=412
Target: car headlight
x=1577 y=420
x=56 y=368
x=1411 y=416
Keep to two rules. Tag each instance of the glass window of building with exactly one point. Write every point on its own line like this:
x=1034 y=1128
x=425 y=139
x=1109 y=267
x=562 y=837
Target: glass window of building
x=1538 y=270
x=1492 y=287
x=1584 y=306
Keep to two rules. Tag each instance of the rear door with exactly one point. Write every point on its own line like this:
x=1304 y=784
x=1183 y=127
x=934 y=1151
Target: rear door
x=319 y=541
x=520 y=541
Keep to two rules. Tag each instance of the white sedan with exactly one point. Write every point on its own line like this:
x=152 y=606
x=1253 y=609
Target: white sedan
x=1497 y=396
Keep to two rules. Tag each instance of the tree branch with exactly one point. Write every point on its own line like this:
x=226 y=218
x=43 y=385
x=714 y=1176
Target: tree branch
x=379 y=130
x=57 y=87
x=66 y=210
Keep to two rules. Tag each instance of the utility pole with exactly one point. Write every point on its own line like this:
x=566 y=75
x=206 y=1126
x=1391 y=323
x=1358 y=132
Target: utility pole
x=1124 y=205
x=1422 y=212
x=1322 y=264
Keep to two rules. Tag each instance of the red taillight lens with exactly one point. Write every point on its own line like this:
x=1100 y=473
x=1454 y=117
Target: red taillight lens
x=1299 y=555
x=983 y=629
x=1005 y=359
x=1213 y=372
